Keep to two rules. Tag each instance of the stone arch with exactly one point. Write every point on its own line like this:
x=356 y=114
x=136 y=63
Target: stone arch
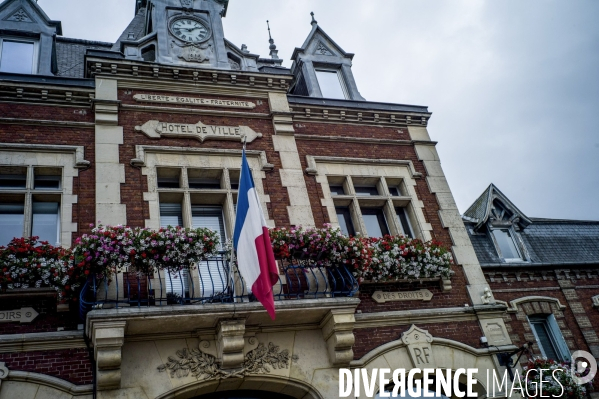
x=28 y=385
x=537 y=304
x=265 y=383
x=446 y=354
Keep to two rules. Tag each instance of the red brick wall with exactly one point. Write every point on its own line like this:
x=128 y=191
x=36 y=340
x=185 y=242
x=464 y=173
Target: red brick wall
x=72 y=365
x=367 y=339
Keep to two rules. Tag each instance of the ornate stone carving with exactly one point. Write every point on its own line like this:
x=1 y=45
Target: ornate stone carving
x=187 y=3
x=204 y=366
x=419 y=347
x=19 y=16
x=321 y=49
x=192 y=52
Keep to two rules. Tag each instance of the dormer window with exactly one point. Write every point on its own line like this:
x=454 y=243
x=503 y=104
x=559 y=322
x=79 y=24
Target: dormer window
x=331 y=84
x=506 y=245
x=18 y=56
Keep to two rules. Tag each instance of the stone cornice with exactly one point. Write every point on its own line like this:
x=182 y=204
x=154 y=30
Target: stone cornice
x=357 y=116
x=139 y=75
x=425 y=316
x=177 y=319
x=79 y=151
x=45 y=122
x=361 y=140
x=41 y=341
x=141 y=150
x=313 y=160
x=45 y=94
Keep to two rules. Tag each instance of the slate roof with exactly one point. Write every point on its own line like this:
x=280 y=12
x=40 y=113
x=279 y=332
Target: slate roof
x=136 y=27
x=549 y=242
x=70 y=55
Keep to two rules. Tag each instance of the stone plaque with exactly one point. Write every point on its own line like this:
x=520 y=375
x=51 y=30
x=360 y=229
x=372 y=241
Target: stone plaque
x=211 y=102
x=23 y=315
x=419 y=346
x=420 y=295
x=199 y=131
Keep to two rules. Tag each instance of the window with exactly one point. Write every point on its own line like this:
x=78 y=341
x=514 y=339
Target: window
x=345 y=223
x=370 y=206
x=18 y=56
x=375 y=223
x=30 y=199
x=195 y=197
x=506 y=245
x=549 y=337
x=331 y=84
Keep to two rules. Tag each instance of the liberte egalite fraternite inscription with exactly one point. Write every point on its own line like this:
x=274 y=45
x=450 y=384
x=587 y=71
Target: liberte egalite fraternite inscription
x=420 y=295
x=199 y=131
x=211 y=102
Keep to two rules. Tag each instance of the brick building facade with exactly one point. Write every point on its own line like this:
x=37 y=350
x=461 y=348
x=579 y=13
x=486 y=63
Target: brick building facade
x=148 y=131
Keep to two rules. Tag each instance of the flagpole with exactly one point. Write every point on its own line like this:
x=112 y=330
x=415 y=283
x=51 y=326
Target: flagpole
x=233 y=253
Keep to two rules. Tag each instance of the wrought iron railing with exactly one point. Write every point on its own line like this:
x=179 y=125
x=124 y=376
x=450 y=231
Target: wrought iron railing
x=213 y=281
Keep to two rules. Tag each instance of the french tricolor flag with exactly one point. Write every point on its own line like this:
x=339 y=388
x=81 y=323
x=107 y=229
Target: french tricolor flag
x=255 y=258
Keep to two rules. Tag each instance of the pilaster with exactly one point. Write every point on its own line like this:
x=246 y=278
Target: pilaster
x=110 y=173
x=338 y=332
x=108 y=339
x=292 y=175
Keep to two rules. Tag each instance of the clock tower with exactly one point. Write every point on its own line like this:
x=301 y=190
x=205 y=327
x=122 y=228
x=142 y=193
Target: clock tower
x=185 y=32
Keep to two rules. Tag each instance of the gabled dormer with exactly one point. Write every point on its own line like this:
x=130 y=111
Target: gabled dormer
x=323 y=69
x=494 y=215
x=27 y=44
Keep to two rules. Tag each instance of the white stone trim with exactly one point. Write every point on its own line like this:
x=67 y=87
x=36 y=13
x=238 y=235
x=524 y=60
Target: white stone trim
x=323 y=167
x=153 y=156
x=513 y=305
x=69 y=158
x=49 y=381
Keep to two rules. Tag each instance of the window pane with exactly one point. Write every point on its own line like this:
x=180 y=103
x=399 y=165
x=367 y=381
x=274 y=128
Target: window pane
x=404 y=222
x=45 y=221
x=170 y=215
x=345 y=222
x=394 y=191
x=206 y=184
x=375 y=223
x=330 y=84
x=213 y=276
x=12 y=218
x=17 y=57
x=47 y=182
x=366 y=190
x=545 y=341
x=210 y=217
x=12 y=181
x=337 y=190
x=505 y=241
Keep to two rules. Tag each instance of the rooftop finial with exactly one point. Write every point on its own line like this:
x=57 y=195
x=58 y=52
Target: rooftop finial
x=273 y=48
x=313 y=20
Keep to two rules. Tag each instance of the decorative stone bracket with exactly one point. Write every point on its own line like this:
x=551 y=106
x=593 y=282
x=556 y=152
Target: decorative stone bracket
x=230 y=343
x=338 y=332
x=108 y=339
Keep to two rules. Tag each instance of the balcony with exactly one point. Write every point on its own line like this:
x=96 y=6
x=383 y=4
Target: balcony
x=214 y=282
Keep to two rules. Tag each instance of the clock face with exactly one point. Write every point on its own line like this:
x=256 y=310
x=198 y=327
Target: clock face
x=189 y=30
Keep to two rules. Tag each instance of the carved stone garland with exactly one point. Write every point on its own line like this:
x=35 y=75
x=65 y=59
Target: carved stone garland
x=201 y=364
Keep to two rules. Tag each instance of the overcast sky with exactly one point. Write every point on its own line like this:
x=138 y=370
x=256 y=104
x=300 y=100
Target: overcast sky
x=513 y=85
